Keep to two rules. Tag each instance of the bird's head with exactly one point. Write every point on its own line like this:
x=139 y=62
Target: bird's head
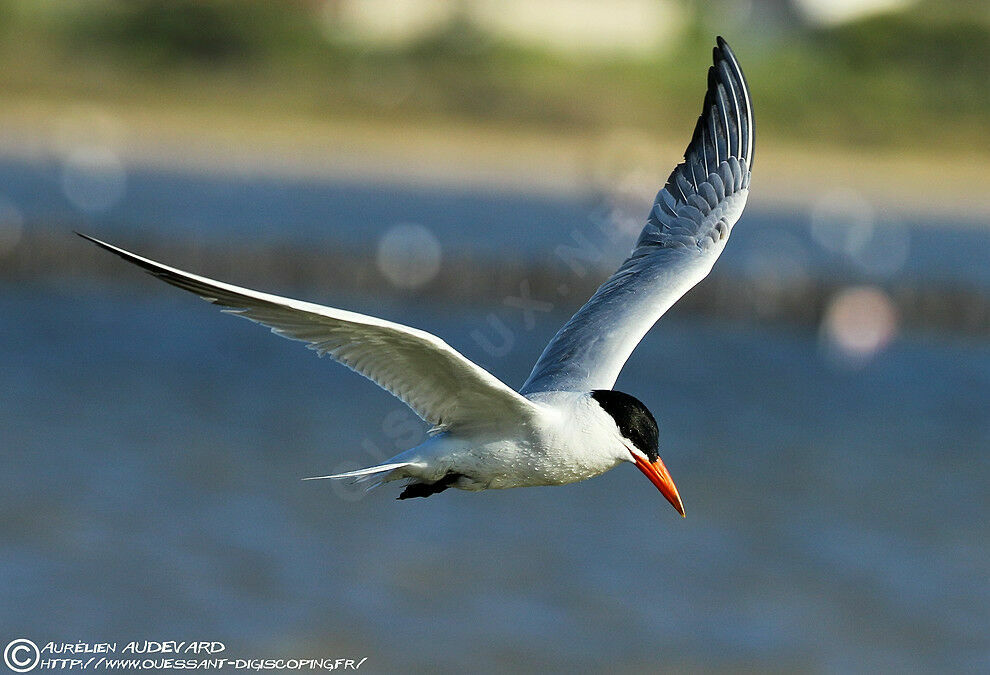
x=641 y=437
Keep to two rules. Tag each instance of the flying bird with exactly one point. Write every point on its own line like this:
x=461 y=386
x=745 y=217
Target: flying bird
x=566 y=423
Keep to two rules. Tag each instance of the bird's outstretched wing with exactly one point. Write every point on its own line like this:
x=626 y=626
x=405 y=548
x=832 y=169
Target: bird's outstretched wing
x=437 y=382
x=684 y=235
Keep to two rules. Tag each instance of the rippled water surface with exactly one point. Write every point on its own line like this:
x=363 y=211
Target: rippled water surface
x=152 y=451
x=836 y=237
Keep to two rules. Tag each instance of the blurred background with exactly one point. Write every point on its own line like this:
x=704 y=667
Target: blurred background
x=476 y=169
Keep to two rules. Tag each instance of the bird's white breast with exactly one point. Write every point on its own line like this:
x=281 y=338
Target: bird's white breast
x=572 y=439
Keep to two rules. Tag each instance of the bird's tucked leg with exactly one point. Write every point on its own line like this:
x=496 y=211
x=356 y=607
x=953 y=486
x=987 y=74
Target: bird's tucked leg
x=427 y=489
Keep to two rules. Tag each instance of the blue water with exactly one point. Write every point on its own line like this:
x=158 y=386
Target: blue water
x=258 y=209
x=152 y=447
x=152 y=450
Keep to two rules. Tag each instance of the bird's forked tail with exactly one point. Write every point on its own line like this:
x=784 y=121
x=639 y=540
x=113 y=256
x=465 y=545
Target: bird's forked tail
x=366 y=474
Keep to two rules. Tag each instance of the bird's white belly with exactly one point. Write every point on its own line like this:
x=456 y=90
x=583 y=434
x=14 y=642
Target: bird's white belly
x=537 y=459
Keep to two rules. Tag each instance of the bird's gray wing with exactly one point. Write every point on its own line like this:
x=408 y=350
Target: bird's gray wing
x=437 y=382
x=686 y=231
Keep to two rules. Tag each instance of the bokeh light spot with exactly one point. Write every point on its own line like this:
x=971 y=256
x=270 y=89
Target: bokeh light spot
x=93 y=178
x=409 y=255
x=858 y=324
x=842 y=221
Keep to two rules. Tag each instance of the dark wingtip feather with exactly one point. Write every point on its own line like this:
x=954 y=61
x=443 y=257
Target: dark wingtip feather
x=101 y=244
x=108 y=247
x=149 y=266
x=727 y=111
x=729 y=57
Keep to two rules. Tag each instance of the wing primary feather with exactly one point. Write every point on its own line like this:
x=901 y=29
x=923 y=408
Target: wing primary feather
x=704 y=151
x=735 y=118
x=721 y=108
x=747 y=105
x=694 y=179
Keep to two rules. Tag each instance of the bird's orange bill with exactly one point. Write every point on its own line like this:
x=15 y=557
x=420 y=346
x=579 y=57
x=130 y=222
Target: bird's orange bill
x=659 y=476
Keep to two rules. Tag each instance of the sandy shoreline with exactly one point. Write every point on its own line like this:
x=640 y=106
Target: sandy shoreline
x=484 y=158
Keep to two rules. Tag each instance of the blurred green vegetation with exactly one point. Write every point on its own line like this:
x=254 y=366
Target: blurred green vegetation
x=905 y=80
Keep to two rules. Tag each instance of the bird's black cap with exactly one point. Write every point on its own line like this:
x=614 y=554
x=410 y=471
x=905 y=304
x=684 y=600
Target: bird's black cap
x=634 y=420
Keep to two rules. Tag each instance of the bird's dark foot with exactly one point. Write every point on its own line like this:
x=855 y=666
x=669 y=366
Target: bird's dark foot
x=427 y=489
